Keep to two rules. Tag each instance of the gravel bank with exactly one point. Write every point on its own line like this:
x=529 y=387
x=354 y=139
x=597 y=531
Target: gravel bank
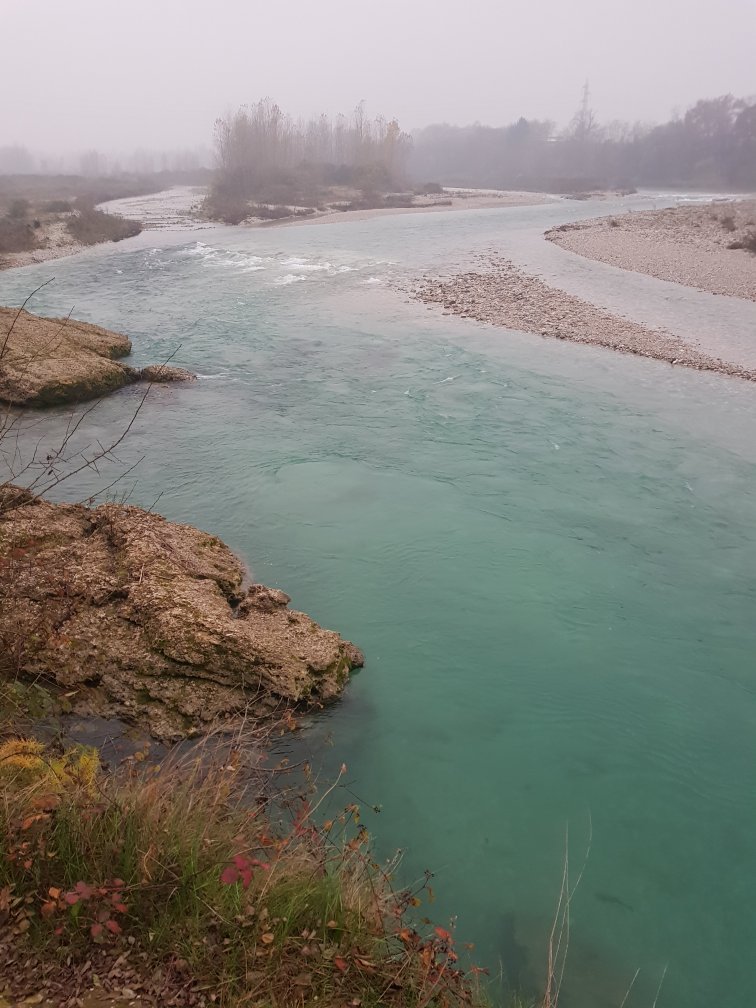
x=503 y=295
x=686 y=244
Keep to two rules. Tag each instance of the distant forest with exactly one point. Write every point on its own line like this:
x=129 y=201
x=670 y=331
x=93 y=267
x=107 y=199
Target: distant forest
x=712 y=145
x=266 y=156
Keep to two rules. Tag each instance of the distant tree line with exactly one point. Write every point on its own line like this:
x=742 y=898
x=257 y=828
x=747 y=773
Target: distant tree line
x=18 y=160
x=712 y=145
x=262 y=154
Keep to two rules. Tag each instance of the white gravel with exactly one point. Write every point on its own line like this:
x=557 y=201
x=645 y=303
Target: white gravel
x=685 y=244
x=502 y=294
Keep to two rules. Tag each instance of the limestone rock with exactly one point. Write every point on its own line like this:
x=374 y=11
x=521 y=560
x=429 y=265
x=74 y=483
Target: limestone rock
x=150 y=620
x=50 y=362
x=165 y=373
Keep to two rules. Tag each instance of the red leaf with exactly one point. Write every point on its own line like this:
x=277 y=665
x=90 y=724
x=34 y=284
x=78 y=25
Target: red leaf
x=47 y=909
x=96 y=930
x=113 y=926
x=340 y=964
x=230 y=875
x=84 y=890
x=443 y=934
x=71 y=898
x=120 y=907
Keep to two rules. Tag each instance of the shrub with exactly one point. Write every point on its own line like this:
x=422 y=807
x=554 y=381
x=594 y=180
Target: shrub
x=90 y=226
x=17 y=236
x=228 y=209
x=18 y=209
x=57 y=206
x=429 y=189
x=747 y=242
x=269 y=212
x=728 y=222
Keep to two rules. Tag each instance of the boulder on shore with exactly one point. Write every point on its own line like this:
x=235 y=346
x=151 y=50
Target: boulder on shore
x=137 y=617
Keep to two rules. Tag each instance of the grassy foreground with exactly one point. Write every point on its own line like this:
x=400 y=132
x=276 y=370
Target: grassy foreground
x=231 y=898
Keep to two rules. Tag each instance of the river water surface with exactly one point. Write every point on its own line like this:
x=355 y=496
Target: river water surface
x=547 y=552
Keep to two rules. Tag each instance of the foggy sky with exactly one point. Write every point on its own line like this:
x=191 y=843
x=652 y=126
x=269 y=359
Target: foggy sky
x=120 y=74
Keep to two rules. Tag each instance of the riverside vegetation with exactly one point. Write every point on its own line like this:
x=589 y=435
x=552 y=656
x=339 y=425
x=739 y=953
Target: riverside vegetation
x=190 y=884
x=269 y=167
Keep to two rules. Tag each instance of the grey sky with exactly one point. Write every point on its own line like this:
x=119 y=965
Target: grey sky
x=117 y=74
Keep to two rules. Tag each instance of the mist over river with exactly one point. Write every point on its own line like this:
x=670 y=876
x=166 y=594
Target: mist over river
x=547 y=552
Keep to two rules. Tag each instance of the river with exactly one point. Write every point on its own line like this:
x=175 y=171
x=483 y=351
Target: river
x=546 y=550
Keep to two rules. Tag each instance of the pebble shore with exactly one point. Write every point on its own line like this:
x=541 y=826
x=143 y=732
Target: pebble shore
x=501 y=294
x=687 y=244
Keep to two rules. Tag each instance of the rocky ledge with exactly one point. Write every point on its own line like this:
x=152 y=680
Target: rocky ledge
x=134 y=616
x=52 y=361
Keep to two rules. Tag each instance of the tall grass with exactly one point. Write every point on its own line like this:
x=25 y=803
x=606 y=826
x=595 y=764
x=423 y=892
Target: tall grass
x=195 y=861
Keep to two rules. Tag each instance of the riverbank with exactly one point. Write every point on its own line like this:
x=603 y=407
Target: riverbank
x=450 y=200
x=702 y=245
x=199 y=882
x=500 y=293
x=42 y=235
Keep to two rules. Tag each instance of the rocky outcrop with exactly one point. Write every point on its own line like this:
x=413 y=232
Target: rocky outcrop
x=138 y=617
x=53 y=362
x=47 y=362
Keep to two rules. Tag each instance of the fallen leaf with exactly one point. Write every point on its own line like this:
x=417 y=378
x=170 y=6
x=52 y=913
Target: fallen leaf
x=340 y=964
x=267 y=938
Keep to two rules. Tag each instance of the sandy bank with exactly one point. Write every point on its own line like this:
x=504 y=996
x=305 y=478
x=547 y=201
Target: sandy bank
x=457 y=199
x=501 y=294
x=686 y=244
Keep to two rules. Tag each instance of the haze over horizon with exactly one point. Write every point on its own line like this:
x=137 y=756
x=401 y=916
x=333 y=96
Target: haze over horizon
x=157 y=75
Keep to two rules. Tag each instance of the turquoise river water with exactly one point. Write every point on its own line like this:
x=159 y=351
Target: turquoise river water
x=547 y=552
